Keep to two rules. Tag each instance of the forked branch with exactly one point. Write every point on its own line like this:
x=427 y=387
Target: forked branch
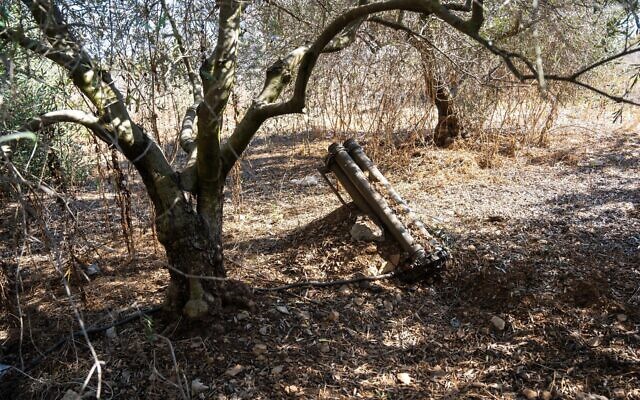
x=89 y=121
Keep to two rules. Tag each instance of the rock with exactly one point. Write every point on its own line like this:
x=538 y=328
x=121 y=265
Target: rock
x=111 y=333
x=309 y=180
x=530 y=394
x=324 y=347
x=333 y=316
x=589 y=396
x=471 y=247
x=546 y=395
x=292 y=389
x=594 y=341
x=388 y=305
x=235 y=370
x=437 y=371
x=391 y=264
x=198 y=387
x=371 y=249
x=242 y=316
x=92 y=270
x=264 y=330
x=622 y=317
x=282 y=309
x=70 y=395
x=359 y=301
x=498 y=323
x=259 y=348
x=277 y=370
x=366 y=230
x=619 y=393
x=305 y=315
x=394 y=259
x=403 y=377
x=387 y=267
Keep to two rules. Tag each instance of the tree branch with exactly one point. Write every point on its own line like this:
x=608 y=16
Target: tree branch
x=348 y=34
x=187 y=136
x=218 y=76
x=296 y=103
x=55 y=55
x=98 y=86
x=336 y=36
x=459 y=7
x=278 y=76
x=89 y=121
x=469 y=29
x=288 y=12
x=477 y=15
x=194 y=80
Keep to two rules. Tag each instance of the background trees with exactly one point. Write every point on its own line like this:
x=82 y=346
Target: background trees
x=131 y=61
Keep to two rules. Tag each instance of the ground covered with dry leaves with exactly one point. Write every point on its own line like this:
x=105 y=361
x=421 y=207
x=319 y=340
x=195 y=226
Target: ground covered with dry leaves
x=541 y=299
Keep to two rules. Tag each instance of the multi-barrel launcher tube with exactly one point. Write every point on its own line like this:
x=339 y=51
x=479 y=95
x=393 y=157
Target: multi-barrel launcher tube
x=374 y=196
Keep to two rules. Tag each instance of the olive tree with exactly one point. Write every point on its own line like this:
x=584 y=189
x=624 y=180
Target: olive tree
x=192 y=236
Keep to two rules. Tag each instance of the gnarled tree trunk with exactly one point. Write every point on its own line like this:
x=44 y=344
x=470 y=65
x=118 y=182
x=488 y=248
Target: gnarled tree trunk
x=192 y=250
x=449 y=127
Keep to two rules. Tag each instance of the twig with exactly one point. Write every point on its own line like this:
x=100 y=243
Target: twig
x=90 y=331
x=177 y=369
x=203 y=277
x=155 y=309
x=327 y=283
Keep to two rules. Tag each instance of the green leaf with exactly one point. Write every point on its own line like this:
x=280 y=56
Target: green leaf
x=4 y=16
x=162 y=21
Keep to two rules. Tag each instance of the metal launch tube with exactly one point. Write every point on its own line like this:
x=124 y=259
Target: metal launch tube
x=376 y=202
x=355 y=195
x=358 y=155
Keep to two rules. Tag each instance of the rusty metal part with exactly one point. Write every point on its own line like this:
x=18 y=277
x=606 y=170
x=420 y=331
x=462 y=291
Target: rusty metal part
x=323 y=172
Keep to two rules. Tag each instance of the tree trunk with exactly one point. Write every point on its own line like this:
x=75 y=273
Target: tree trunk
x=194 y=247
x=192 y=250
x=449 y=127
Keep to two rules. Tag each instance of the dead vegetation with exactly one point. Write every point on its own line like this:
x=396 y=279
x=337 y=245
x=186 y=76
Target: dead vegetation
x=540 y=301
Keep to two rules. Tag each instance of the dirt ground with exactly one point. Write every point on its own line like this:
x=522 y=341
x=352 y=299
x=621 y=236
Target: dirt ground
x=541 y=298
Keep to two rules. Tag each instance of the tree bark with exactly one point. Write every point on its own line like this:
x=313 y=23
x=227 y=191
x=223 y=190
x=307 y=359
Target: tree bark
x=192 y=250
x=448 y=127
